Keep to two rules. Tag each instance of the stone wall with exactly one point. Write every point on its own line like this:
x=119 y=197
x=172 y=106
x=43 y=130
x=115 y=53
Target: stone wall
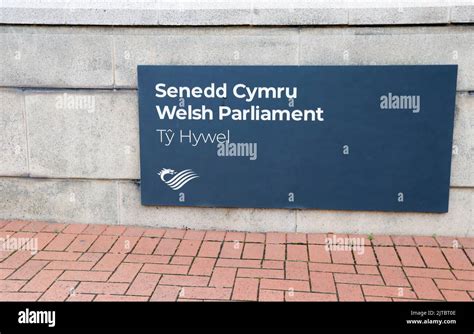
x=66 y=160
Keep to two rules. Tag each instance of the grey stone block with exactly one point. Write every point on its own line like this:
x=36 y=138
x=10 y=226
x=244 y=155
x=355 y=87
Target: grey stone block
x=400 y=15
x=298 y=13
x=94 y=201
x=227 y=12
x=125 y=13
x=91 y=202
x=392 y=46
x=459 y=221
x=203 y=46
x=83 y=134
x=78 y=16
x=13 y=144
x=73 y=142
x=462 y=174
x=204 y=17
x=133 y=213
x=462 y=14
x=39 y=57
x=123 y=17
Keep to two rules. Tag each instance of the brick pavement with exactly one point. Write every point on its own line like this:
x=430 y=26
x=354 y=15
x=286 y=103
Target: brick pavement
x=79 y=262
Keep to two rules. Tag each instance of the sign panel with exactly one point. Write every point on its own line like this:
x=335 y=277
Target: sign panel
x=323 y=137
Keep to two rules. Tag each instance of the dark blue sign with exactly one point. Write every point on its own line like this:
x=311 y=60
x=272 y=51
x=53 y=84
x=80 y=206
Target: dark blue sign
x=323 y=137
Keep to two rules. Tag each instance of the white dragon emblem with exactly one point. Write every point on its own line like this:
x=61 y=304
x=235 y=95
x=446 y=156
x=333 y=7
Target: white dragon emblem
x=179 y=179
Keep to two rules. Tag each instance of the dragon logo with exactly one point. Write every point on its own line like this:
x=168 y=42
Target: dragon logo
x=178 y=180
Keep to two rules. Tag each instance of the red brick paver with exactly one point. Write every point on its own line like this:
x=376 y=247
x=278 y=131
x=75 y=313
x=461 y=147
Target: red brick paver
x=80 y=262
